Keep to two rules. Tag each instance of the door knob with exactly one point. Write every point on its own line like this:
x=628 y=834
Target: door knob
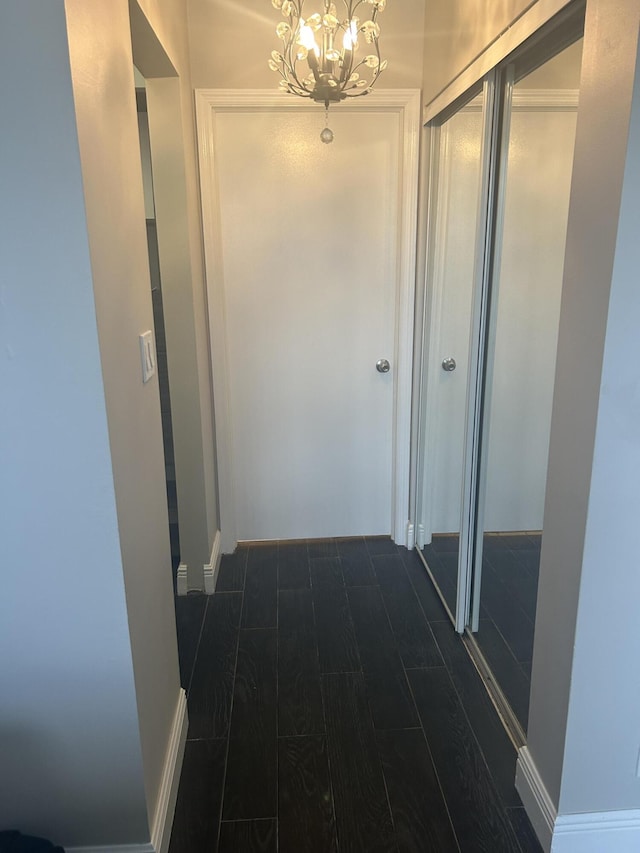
x=383 y=366
x=449 y=364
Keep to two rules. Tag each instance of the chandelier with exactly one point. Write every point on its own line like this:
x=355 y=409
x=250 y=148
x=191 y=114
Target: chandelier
x=319 y=57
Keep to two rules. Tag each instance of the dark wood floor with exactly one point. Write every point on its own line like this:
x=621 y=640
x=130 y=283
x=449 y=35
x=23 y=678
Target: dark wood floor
x=510 y=568
x=333 y=708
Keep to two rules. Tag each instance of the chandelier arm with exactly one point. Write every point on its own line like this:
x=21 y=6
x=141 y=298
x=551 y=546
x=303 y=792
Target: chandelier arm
x=359 y=65
x=363 y=61
x=294 y=79
x=290 y=76
x=298 y=82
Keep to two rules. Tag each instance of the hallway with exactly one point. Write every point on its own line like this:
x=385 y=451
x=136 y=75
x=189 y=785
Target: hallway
x=332 y=707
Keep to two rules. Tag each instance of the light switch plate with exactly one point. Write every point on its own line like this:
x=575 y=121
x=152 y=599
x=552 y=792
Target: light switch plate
x=148 y=356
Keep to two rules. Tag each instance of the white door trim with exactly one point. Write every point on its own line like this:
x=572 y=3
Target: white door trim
x=406 y=102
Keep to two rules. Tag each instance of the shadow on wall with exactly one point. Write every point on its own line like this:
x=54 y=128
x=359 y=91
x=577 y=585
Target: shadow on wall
x=13 y=841
x=18 y=747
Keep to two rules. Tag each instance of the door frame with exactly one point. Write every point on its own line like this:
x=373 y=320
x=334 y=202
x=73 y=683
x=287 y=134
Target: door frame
x=404 y=102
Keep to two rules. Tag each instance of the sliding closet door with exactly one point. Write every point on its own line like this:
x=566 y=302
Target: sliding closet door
x=536 y=159
x=456 y=190
x=501 y=169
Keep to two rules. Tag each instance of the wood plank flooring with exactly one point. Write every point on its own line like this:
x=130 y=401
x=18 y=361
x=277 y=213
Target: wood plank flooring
x=333 y=709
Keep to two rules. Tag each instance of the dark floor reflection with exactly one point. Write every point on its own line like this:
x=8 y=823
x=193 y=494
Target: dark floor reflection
x=510 y=567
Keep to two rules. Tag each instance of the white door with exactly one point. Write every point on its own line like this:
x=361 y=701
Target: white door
x=309 y=240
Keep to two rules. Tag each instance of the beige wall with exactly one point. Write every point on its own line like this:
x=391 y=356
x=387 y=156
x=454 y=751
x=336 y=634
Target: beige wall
x=70 y=739
x=456 y=31
x=231 y=41
x=88 y=609
x=102 y=73
x=583 y=733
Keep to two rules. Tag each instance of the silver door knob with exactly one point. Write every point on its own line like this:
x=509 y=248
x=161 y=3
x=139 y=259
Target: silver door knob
x=449 y=364
x=383 y=366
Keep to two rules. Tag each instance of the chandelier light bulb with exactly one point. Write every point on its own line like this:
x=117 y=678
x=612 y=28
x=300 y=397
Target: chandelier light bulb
x=306 y=37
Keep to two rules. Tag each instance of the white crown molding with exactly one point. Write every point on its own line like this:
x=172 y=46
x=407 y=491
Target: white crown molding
x=533 y=100
x=545 y=100
x=251 y=99
x=212 y=568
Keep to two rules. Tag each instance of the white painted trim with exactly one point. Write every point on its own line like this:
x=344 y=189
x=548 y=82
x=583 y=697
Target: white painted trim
x=182 y=579
x=433 y=312
x=536 y=16
x=535 y=798
x=166 y=805
x=545 y=100
x=533 y=99
x=591 y=832
x=216 y=307
x=595 y=832
x=407 y=103
x=411 y=535
x=212 y=568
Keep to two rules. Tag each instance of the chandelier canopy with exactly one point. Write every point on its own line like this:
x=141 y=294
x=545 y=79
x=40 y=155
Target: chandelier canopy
x=319 y=57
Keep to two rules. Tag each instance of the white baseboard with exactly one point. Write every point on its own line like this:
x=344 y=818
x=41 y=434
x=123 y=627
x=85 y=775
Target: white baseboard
x=212 y=568
x=166 y=806
x=591 y=832
x=535 y=798
x=595 y=832
x=411 y=536
x=182 y=581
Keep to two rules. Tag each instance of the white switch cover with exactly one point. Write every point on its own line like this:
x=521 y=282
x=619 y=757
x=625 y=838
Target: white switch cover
x=148 y=356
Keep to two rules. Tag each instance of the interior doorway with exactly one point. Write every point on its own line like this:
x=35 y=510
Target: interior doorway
x=310 y=253
x=158 y=320
x=501 y=172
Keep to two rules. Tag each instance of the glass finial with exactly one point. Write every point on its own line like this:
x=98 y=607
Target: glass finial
x=326 y=135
